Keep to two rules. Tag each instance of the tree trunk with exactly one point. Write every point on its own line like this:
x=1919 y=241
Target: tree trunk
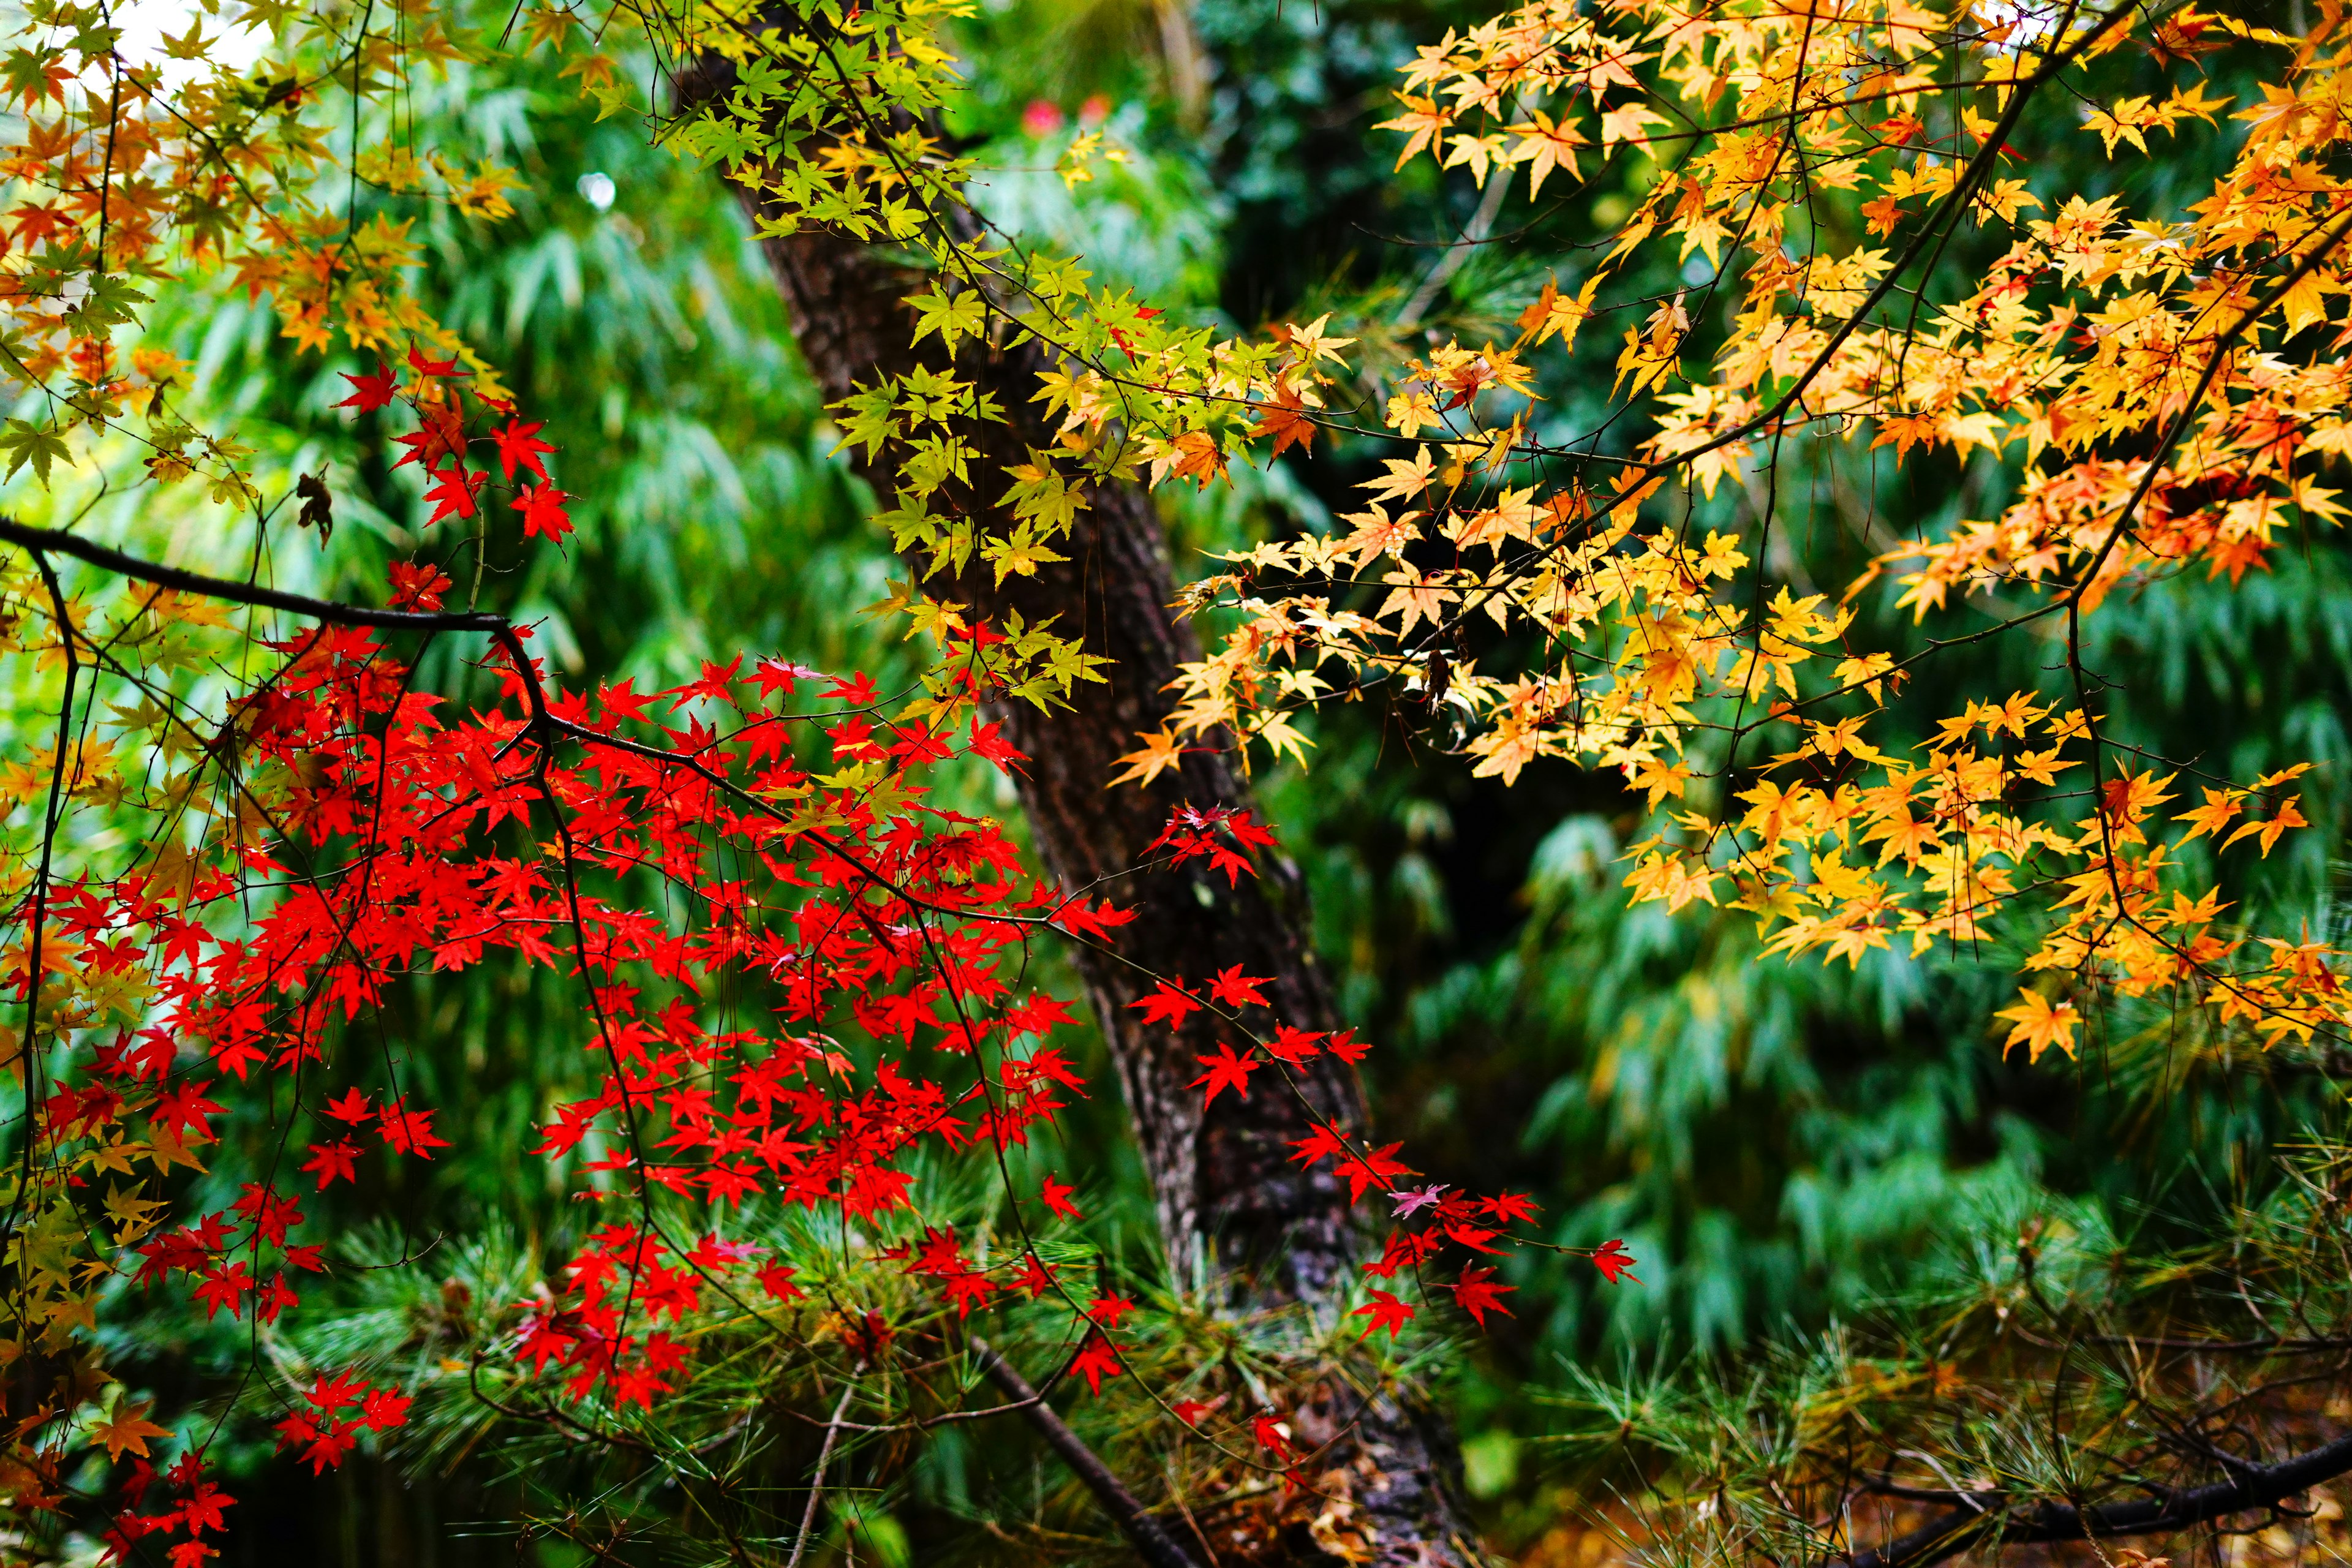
x=1239 y=1219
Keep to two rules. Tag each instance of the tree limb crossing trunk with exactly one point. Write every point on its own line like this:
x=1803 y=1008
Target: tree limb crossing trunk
x=1238 y=1219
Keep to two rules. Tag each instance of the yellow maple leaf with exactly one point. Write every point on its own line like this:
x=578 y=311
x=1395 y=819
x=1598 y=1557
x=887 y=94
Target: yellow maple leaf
x=2040 y=1026
x=127 y=1429
x=1158 y=752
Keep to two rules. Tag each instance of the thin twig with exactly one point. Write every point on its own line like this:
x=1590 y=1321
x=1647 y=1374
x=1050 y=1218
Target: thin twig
x=816 y=1481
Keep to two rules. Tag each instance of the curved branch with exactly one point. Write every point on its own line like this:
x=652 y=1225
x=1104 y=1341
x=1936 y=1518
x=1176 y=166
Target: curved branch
x=39 y=539
x=2254 y=1486
x=1150 y=1541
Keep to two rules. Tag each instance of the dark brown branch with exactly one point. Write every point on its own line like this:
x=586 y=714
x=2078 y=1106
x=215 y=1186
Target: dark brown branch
x=40 y=540
x=1151 y=1542
x=1985 y=1520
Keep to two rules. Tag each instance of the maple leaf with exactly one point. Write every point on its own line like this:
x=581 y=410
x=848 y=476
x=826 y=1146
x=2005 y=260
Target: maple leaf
x=184 y=1107
x=2289 y=815
x=1160 y=752
x=409 y=1132
x=1226 y=1070
x=1292 y=1046
x=1034 y=1276
x=331 y=1394
x=969 y=1290
x=2040 y=1026
x=433 y=367
x=369 y=393
x=1190 y=1411
x=1197 y=457
x=518 y=447
x=1169 y=1005
x=351 y=1108
x=1284 y=418
x=126 y=1427
x=1058 y=1199
x=1273 y=1434
x=1473 y=1238
x=1236 y=989
x=988 y=740
x=1376 y=1169
x=1318 y=1146
x=1614 y=1262
x=1110 y=1311
x=542 y=512
x=1476 y=1294
x=384 y=1409
x=1510 y=1207
x=1096 y=1361
x=1386 y=1312
x=1348 y=1048
x=452 y=492
x=1412 y=1202
x=202 y=1510
x=416 y=585
x=2182 y=40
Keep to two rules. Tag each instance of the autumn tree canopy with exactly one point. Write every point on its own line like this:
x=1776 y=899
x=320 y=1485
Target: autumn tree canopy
x=1801 y=416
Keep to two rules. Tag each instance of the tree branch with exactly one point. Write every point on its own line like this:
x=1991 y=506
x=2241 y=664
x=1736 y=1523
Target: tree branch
x=2255 y=1486
x=40 y=540
x=1151 y=1542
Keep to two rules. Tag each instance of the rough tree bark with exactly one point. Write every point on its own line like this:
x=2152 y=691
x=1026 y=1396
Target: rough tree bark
x=1239 y=1219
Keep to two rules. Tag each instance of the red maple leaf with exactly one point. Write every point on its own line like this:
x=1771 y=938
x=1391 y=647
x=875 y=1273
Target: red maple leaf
x=988 y=740
x=1096 y=1361
x=776 y=675
x=1318 y=1146
x=1236 y=989
x=1272 y=1434
x=520 y=446
x=1110 y=1311
x=409 y=1132
x=1377 y=1168
x=185 y=1107
x=1348 y=1048
x=452 y=493
x=1034 y=1278
x=1614 y=1262
x=542 y=512
x=1057 y=1198
x=1292 y=1046
x=417 y=585
x=969 y=1290
x=1473 y=1238
x=443 y=367
x=1168 y=1006
x=203 y=1508
x=384 y=1409
x=1509 y=1208
x=369 y=393
x=1226 y=1070
x=333 y=1161
x=1385 y=1312
x=350 y=1107
x=1476 y=1294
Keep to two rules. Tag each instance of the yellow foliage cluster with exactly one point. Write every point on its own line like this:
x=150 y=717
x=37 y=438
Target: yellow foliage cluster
x=2164 y=390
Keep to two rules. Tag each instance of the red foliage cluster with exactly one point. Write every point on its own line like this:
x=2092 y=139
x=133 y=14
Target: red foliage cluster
x=786 y=812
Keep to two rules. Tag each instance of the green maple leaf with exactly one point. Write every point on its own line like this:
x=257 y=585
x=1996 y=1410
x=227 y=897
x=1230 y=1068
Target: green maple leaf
x=28 y=442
